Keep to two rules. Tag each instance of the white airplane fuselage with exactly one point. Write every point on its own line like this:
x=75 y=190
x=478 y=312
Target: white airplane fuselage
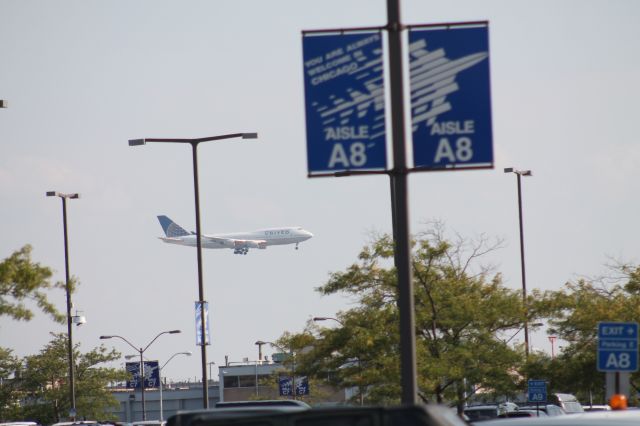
x=240 y=242
x=271 y=236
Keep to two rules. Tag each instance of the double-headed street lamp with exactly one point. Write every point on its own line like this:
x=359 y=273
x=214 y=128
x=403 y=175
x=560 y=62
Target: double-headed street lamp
x=201 y=302
x=520 y=173
x=72 y=389
x=141 y=352
x=187 y=353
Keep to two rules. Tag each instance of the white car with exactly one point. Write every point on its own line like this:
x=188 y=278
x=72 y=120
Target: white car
x=598 y=418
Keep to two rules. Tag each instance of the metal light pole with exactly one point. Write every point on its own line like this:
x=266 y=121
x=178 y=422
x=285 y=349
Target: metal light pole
x=520 y=173
x=400 y=209
x=194 y=146
x=553 y=339
x=72 y=388
x=141 y=352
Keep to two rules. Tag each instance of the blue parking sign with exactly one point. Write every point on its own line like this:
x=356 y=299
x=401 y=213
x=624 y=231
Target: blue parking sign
x=537 y=391
x=344 y=102
x=450 y=97
x=618 y=346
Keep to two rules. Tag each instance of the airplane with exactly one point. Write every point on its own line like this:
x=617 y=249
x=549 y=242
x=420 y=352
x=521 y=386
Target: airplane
x=240 y=242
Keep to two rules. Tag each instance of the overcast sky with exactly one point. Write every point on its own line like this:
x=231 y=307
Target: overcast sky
x=83 y=77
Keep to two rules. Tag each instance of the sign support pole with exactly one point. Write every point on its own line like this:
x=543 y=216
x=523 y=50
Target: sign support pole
x=400 y=210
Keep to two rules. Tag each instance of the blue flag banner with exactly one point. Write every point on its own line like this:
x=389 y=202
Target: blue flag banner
x=450 y=97
x=344 y=102
x=284 y=385
x=198 y=318
x=301 y=386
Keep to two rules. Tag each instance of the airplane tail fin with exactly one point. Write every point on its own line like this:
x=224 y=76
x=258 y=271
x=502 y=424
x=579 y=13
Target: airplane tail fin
x=170 y=228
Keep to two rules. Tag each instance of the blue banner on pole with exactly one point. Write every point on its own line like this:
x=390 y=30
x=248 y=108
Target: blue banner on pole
x=301 y=386
x=284 y=385
x=450 y=97
x=151 y=374
x=344 y=92
x=199 y=324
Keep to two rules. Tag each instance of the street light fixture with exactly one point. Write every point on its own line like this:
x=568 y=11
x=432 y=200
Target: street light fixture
x=72 y=388
x=194 y=148
x=520 y=173
x=3 y=103
x=259 y=343
x=141 y=352
x=535 y=324
x=328 y=318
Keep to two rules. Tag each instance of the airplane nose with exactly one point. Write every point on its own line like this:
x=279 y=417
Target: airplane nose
x=309 y=234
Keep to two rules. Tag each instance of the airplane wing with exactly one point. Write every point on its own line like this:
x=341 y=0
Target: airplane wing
x=236 y=243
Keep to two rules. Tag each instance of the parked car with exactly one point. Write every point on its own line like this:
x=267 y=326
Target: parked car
x=478 y=413
x=148 y=423
x=19 y=424
x=549 y=409
x=523 y=413
x=263 y=403
x=411 y=415
x=596 y=407
x=568 y=402
x=598 y=418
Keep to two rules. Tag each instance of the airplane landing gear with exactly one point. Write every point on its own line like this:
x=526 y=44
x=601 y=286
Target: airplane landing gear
x=296 y=246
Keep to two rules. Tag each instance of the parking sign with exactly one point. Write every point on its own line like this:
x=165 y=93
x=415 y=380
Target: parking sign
x=537 y=391
x=618 y=346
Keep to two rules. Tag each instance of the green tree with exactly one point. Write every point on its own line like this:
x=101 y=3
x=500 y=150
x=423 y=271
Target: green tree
x=9 y=393
x=574 y=313
x=461 y=312
x=22 y=279
x=45 y=386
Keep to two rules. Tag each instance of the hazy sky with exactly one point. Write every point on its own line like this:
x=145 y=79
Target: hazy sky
x=83 y=77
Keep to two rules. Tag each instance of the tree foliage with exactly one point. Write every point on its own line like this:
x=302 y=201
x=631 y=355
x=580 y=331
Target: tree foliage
x=40 y=384
x=461 y=311
x=573 y=313
x=21 y=279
